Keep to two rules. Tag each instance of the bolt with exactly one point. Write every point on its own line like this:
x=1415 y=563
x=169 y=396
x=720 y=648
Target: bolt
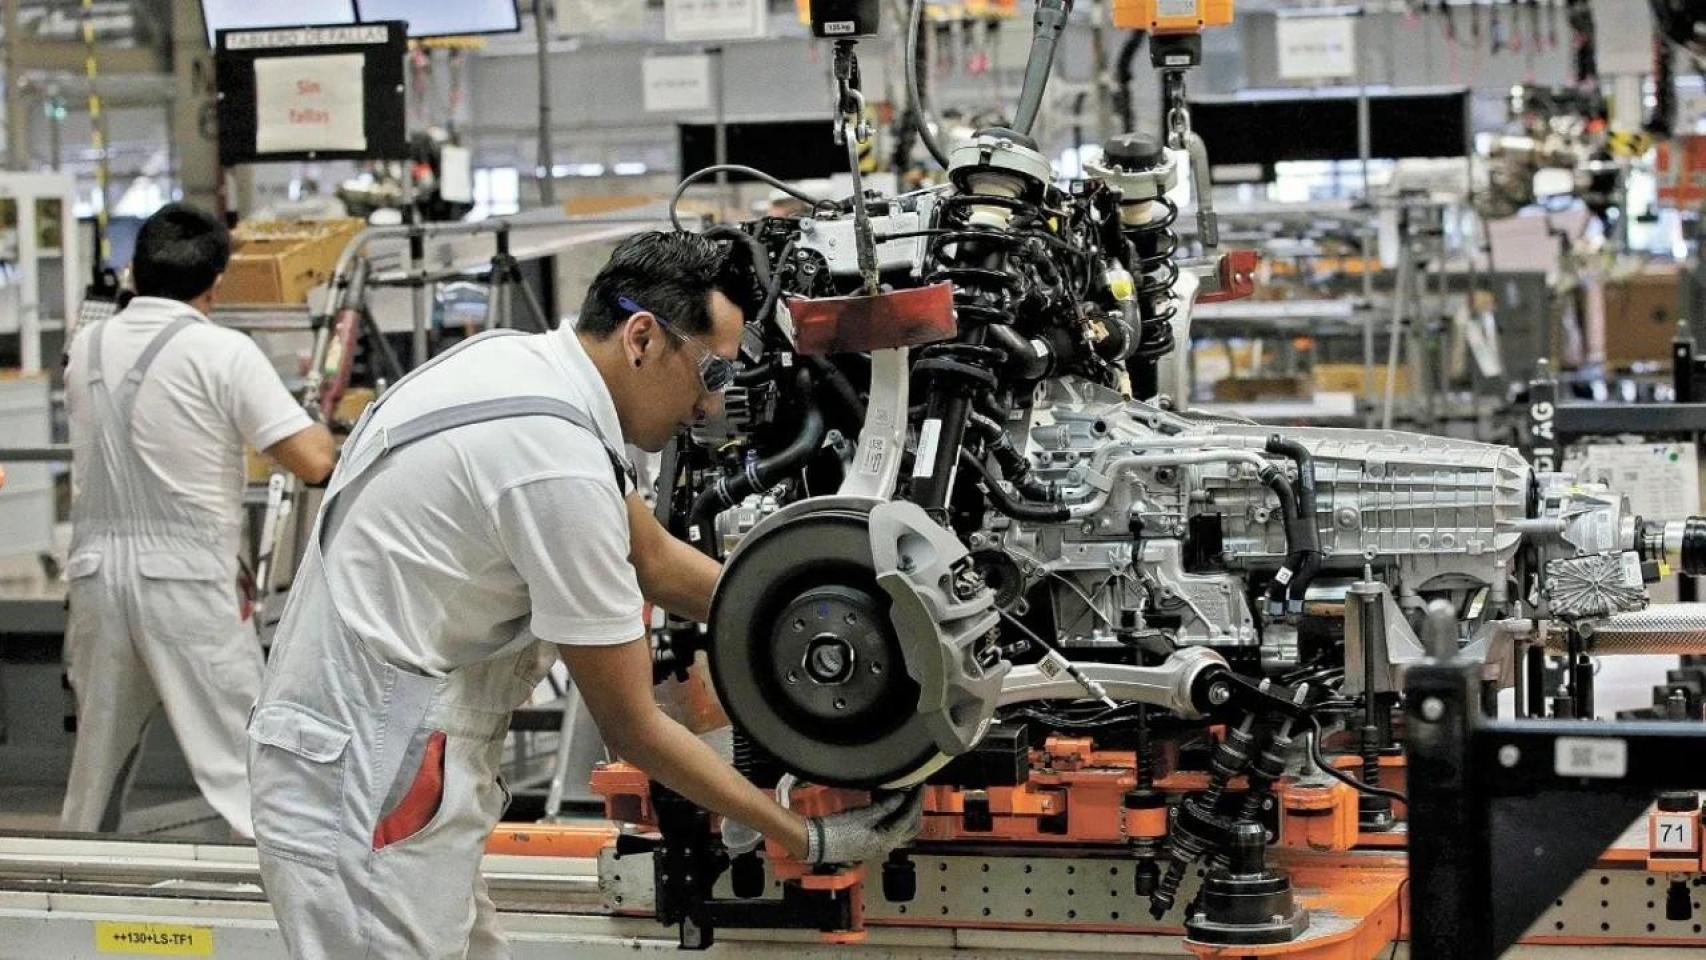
x=793 y=676
x=876 y=668
x=1509 y=755
x=840 y=704
x=1432 y=709
x=1219 y=694
x=851 y=619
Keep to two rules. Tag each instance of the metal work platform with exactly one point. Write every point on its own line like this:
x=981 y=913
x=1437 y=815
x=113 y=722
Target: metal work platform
x=66 y=897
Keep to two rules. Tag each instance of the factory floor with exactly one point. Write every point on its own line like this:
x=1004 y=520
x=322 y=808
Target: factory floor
x=151 y=812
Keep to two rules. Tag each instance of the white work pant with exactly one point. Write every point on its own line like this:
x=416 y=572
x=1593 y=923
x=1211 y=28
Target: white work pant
x=150 y=630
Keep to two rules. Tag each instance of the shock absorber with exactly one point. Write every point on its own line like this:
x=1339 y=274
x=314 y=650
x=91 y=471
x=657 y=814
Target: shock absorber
x=955 y=372
x=1000 y=177
x=1143 y=172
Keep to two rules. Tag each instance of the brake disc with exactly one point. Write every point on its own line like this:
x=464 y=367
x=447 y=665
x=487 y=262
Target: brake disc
x=808 y=661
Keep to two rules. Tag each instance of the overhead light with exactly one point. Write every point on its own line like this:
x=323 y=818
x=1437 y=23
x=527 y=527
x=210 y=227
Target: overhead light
x=628 y=168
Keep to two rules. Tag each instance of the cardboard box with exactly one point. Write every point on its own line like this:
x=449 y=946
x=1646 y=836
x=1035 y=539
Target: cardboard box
x=1350 y=378
x=1249 y=389
x=278 y=262
x=1641 y=313
x=349 y=410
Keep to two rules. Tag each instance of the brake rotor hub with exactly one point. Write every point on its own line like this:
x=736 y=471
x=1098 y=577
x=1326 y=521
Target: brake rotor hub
x=830 y=654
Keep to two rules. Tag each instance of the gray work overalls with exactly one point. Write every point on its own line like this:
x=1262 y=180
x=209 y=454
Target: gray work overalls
x=154 y=616
x=349 y=752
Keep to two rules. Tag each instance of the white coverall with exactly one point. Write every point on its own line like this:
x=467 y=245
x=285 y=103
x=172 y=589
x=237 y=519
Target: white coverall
x=161 y=401
x=478 y=508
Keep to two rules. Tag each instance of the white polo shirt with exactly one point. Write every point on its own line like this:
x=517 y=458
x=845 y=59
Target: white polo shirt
x=207 y=393
x=481 y=540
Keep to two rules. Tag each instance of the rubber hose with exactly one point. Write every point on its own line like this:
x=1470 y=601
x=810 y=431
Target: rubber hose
x=773 y=290
x=1026 y=362
x=839 y=387
x=1296 y=556
x=1014 y=466
x=1123 y=76
x=915 y=97
x=756 y=253
x=1009 y=505
x=766 y=473
x=1310 y=533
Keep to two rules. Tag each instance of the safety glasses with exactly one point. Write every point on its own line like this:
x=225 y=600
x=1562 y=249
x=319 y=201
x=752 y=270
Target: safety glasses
x=716 y=372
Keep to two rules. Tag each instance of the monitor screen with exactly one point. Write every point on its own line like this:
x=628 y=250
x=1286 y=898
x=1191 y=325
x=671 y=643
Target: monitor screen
x=246 y=14
x=785 y=149
x=444 y=18
x=1268 y=130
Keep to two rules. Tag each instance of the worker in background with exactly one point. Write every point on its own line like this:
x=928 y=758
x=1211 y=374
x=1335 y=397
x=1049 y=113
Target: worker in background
x=161 y=402
x=481 y=507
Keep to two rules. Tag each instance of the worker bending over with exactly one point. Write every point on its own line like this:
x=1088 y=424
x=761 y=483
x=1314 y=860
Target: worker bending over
x=481 y=507
x=161 y=401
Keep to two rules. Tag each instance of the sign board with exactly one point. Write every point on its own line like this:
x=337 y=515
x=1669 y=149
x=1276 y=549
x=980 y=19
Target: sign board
x=311 y=93
x=249 y=15
x=697 y=21
x=444 y=18
x=1316 y=48
x=1660 y=479
x=600 y=17
x=677 y=83
x=309 y=104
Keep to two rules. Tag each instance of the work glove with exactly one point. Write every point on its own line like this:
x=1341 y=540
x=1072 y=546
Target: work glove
x=740 y=839
x=868 y=833
x=852 y=836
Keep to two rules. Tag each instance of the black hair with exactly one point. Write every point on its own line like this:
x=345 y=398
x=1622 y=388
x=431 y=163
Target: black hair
x=180 y=251
x=671 y=275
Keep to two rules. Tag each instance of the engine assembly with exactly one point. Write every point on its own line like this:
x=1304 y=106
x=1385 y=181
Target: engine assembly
x=974 y=539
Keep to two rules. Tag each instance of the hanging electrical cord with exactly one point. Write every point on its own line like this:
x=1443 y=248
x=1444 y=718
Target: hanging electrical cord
x=818 y=203
x=915 y=93
x=1340 y=775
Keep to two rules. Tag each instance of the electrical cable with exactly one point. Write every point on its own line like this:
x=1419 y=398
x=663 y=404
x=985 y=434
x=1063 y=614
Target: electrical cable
x=1095 y=689
x=1397 y=934
x=1340 y=775
x=697 y=175
x=915 y=97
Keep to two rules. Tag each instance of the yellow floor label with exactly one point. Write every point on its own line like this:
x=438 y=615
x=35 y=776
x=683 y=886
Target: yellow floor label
x=153 y=939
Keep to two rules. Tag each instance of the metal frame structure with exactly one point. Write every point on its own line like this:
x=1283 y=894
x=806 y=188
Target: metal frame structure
x=1505 y=814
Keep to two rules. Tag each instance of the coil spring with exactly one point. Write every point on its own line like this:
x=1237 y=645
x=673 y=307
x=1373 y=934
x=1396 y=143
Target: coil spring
x=754 y=762
x=978 y=289
x=1155 y=243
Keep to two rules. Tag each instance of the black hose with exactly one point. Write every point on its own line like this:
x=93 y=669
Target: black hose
x=755 y=251
x=762 y=474
x=846 y=395
x=818 y=203
x=762 y=370
x=916 y=98
x=773 y=286
x=1014 y=466
x=1122 y=79
x=1026 y=361
x=1308 y=542
x=1048 y=24
x=1295 y=557
x=1006 y=503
